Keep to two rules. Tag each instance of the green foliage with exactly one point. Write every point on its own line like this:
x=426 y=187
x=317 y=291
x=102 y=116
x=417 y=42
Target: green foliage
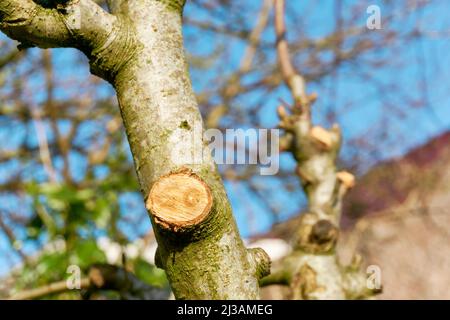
x=150 y=273
x=64 y=210
x=67 y=218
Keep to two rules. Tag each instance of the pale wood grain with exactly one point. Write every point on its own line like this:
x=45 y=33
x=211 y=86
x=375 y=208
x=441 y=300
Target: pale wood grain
x=179 y=199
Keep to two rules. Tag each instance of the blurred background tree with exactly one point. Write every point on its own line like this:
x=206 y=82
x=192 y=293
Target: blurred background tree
x=67 y=184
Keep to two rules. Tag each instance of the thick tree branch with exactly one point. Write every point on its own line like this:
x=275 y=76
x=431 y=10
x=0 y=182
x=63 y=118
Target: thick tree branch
x=199 y=246
x=33 y=25
x=76 y=23
x=141 y=54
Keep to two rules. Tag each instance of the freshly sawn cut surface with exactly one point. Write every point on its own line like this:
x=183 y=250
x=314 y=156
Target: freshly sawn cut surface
x=179 y=200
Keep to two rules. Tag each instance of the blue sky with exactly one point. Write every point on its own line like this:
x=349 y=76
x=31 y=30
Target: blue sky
x=417 y=68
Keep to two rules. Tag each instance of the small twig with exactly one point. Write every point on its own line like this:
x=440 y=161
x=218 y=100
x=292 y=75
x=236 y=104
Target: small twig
x=293 y=79
x=255 y=36
x=56 y=287
x=287 y=68
x=44 y=151
x=11 y=238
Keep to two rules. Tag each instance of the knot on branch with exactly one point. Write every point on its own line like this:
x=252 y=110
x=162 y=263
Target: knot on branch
x=261 y=261
x=316 y=236
x=346 y=179
x=286 y=120
x=14 y=23
x=323 y=232
x=120 y=46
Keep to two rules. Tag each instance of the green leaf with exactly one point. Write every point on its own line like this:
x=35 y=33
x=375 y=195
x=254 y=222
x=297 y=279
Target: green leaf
x=86 y=253
x=150 y=273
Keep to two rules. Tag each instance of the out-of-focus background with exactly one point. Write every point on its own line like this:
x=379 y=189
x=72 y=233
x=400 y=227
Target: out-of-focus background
x=69 y=194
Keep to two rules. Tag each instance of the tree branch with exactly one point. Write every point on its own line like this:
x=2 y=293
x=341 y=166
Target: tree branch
x=143 y=58
x=312 y=269
x=52 y=288
x=11 y=237
x=9 y=57
x=294 y=80
x=102 y=277
x=76 y=23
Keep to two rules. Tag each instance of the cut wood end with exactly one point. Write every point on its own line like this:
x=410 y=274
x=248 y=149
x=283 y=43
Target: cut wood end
x=346 y=178
x=322 y=136
x=281 y=111
x=179 y=200
x=313 y=97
